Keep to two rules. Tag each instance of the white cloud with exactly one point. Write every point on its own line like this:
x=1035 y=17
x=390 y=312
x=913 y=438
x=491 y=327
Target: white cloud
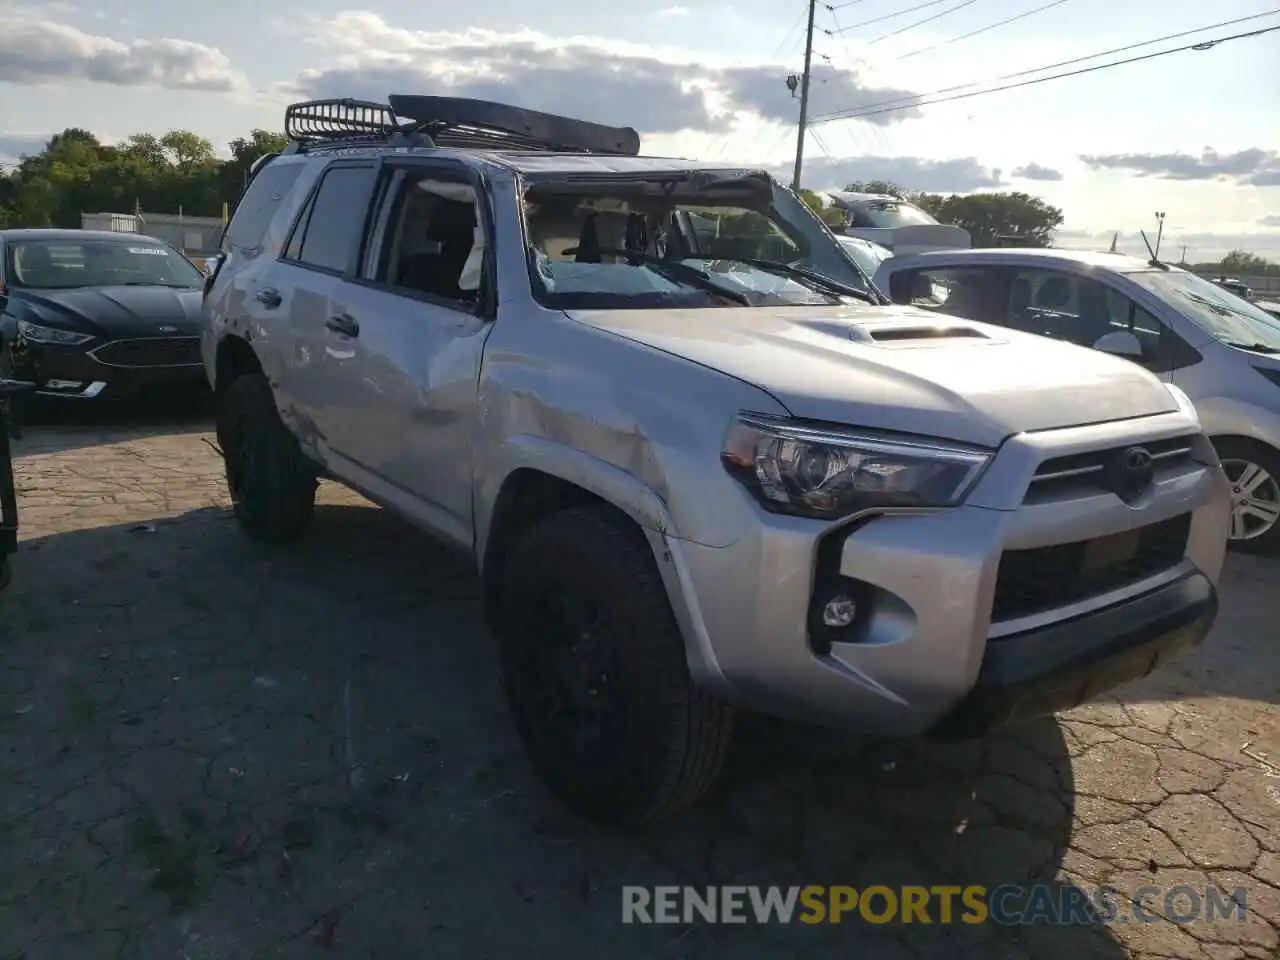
x=674 y=12
x=35 y=52
x=655 y=90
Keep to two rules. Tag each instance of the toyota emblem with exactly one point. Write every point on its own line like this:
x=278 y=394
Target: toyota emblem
x=1129 y=475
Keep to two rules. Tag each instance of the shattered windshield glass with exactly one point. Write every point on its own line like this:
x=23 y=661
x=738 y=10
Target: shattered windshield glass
x=682 y=241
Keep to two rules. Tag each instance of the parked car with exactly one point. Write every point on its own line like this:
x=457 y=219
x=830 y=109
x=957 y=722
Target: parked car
x=865 y=253
x=1221 y=350
x=895 y=224
x=1238 y=287
x=692 y=477
x=100 y=314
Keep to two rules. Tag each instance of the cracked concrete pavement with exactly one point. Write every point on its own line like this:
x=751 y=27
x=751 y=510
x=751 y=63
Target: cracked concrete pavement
x=211 y=749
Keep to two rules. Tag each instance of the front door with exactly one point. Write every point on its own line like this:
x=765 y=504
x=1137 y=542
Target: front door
x=421 y=314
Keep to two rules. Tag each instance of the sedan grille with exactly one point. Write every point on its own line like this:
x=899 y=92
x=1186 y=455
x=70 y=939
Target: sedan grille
x=150 y=352
x=1046 y=578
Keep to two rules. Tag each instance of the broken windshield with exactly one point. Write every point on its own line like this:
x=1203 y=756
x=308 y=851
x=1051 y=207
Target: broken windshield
x=1216 y=310
x=682 y=241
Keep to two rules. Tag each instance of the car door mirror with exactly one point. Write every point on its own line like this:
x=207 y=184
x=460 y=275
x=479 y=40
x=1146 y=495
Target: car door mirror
x=1120 y=343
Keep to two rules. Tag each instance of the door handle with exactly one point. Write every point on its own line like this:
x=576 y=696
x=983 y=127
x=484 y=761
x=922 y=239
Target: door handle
x=344 y=324
x=269 y=297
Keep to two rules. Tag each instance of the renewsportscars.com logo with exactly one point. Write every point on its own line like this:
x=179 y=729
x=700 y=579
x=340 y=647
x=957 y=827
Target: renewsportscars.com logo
x=1006 y=905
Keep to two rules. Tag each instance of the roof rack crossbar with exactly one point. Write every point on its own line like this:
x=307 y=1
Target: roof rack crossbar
x=342 y=119
x=466 y=122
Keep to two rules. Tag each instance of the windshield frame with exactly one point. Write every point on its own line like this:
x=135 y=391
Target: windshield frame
x=1249 y=325
x=817 y=246
x=15 y=281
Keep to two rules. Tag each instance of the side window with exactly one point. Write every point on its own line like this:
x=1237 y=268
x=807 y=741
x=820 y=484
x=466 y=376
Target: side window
x=434 y=241
x=970 y=293
x=329 y=230
x=259 y=204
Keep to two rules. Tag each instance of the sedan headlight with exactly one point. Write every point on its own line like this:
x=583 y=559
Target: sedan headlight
x=828 y=474
x=38 y=334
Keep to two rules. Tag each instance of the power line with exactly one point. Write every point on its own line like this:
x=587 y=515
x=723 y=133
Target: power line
x=882 y=19
x=911 y=100
x=981 y=30
x=921 y=23
x=919 y=101
x=832 y=8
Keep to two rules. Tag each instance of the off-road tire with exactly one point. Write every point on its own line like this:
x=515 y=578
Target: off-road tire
x=673 y=737
x=273 y=485
x=1267 y=458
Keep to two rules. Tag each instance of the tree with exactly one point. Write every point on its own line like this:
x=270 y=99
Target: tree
x=830 y=215
x=76 y=173
x=1241 y=263
x=989 y=217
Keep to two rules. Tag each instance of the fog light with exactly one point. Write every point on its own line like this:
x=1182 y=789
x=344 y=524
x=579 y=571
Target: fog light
x=839 y=612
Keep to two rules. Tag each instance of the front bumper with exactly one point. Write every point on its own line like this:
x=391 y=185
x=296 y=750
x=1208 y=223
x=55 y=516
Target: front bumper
x=89 y=371
x=925 y=651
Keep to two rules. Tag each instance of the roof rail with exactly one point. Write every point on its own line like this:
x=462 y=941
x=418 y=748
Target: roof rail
x=342 y=119
x=465 y=122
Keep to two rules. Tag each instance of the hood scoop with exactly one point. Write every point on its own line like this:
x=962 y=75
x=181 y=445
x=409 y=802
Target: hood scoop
x=917 y=333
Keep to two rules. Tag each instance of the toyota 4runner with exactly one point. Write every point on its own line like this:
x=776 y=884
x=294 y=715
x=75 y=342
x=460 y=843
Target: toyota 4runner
x=700 y=461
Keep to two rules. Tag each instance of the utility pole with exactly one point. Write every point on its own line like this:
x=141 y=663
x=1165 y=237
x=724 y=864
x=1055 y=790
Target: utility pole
x=804 y=96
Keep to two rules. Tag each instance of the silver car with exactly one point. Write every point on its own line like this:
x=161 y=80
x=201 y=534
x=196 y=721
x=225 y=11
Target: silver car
x=697 y=463
x=1221 y=350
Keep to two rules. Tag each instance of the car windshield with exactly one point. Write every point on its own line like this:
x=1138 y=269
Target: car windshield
x=67 y=264
x=1216 y=310
x=865 y=254
x=683 y=240
x=892 y=213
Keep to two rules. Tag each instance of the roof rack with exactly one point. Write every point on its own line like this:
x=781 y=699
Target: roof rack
x=339 y=120
x=466 y=122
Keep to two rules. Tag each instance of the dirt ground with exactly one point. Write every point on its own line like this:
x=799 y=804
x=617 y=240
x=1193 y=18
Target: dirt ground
x=210 y=749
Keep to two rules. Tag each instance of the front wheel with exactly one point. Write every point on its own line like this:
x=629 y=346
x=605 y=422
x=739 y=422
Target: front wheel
x=595 y=674
x=273 y=486
x=1253 y=470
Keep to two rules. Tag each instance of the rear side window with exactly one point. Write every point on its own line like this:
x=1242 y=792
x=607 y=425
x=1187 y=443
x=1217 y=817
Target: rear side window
x=330 y=229
x=259 y=204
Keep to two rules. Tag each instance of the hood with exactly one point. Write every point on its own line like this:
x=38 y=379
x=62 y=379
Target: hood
x=915 y=238
x=114 y=312
x=900 y=369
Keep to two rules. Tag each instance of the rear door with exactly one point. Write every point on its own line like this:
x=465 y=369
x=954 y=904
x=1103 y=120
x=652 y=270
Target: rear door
x=307 y=290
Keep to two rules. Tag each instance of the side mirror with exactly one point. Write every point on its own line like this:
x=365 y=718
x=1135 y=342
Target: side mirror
x=1120 y=343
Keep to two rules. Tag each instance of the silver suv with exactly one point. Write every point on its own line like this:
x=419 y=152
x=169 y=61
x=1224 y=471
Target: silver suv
x=699 y=462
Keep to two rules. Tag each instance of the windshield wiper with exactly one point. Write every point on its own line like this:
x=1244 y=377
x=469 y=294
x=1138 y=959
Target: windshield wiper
x=811 y=276
x=156 y=283
x=1253 y=347
x=677 y=270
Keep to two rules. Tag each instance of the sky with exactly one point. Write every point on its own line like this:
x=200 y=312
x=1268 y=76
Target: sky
x=1194 y=134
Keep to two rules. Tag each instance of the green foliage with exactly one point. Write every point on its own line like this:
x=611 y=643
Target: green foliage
x=75 y=173
x=831 y=215
x=992 y=219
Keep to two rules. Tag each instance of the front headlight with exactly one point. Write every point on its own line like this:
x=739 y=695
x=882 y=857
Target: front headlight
x=828 y=474
x=35 y=333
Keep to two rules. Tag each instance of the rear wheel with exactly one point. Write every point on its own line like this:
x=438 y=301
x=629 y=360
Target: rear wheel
x=595 y=673
x=1253 y=469
x=273 y=485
